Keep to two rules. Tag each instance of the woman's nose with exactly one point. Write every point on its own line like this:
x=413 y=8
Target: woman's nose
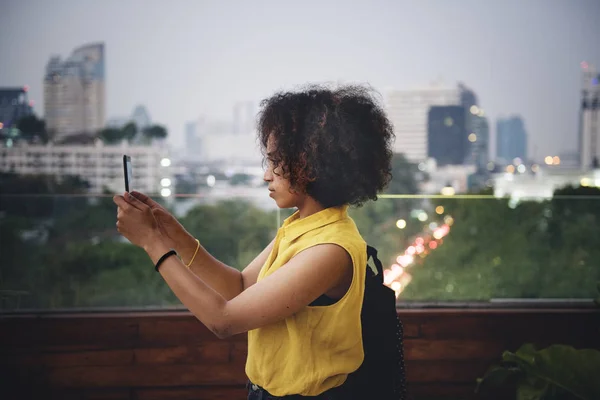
x=268 y=175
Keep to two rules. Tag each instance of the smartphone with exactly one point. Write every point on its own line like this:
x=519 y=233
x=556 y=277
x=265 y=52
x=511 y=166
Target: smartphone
x=127 y=171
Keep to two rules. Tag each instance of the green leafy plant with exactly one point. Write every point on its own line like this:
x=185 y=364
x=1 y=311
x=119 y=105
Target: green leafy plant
x=556 y=372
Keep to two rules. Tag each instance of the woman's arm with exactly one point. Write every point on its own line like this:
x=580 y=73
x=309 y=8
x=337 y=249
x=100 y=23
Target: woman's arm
x=227 y=281
x=292 y=287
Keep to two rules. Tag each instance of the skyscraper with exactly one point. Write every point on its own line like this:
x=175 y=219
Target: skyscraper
x=511 y=139
x=74 y=92
x=479 y=139
x=244 y=115
x=408 y=111
x=589 y=128
x=141 y=117
x=14 y=105
x=468 y=98
x=192 y=139
x=447 y=135
x=478 y=131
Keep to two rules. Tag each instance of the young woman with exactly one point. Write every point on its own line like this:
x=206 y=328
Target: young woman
x=300 y=299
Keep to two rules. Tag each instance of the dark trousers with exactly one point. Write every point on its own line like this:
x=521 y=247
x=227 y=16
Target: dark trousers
x=255 y=392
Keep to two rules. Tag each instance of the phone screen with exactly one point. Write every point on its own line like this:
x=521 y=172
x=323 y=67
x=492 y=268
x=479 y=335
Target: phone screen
x=127 y=171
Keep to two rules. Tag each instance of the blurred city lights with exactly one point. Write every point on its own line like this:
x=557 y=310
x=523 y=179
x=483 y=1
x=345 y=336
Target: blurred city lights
x=586 y=182
x=396 y=269
x=396 y=277
x=549 y=160
x=535 y=168
x=165 y=162
x=441 y=232
x=388 y=278
x=165 y=192
x=522 y=168
x=165 y=182
x=401 y=224
x=556 y=160
x=422 y=216
x=472 y=138
x=448 y=191
x=491 y=166
x=405 y=260
x=510 y=169
x=474 y=110
x=439 y=210
x=211 y=180
x=1 y=125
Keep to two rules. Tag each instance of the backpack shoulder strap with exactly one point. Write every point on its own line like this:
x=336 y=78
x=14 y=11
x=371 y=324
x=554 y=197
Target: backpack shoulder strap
x=372 y=253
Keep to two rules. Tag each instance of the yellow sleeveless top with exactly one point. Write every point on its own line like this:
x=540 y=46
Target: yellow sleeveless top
x=315 y=349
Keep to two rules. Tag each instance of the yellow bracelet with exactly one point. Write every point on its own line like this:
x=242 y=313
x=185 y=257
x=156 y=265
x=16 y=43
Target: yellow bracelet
x=194 y=256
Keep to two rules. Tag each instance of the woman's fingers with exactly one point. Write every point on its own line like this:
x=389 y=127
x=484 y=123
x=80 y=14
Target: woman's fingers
x=145 y=199
x=121 y=203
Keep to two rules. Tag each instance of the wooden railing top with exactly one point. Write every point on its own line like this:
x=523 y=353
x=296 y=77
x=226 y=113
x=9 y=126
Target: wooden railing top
x=426 y=309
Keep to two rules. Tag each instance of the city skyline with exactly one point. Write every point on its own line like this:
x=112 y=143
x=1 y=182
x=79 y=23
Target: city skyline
x=196 y=59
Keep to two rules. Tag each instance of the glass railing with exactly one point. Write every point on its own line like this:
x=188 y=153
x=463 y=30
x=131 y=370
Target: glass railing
x=478 y=248
x=63 y=251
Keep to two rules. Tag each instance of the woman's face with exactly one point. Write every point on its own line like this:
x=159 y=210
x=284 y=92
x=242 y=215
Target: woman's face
x=279 y=187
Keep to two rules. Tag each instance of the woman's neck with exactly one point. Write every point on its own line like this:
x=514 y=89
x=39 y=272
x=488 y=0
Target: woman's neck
x=308 y=206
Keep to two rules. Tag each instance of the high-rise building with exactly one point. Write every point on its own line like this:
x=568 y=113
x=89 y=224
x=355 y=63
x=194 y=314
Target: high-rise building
x=447 y=135
x=589 y=126
x=478 y=135
x=14 y=105
x=192 y=140
x=141 y=117
x=74 y=92
x=244 y=115
x=468 y=98
x=511 y=139
x=408 y=111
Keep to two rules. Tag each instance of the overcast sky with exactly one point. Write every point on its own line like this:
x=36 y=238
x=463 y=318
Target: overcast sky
x=186 y=58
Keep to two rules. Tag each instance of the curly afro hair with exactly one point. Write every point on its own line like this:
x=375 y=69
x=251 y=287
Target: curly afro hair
x=332 y=144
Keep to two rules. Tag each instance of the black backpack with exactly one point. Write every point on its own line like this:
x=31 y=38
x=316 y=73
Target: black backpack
x=382 y=375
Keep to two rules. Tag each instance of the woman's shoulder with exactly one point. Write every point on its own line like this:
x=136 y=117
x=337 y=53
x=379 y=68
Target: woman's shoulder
x=343 y=232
